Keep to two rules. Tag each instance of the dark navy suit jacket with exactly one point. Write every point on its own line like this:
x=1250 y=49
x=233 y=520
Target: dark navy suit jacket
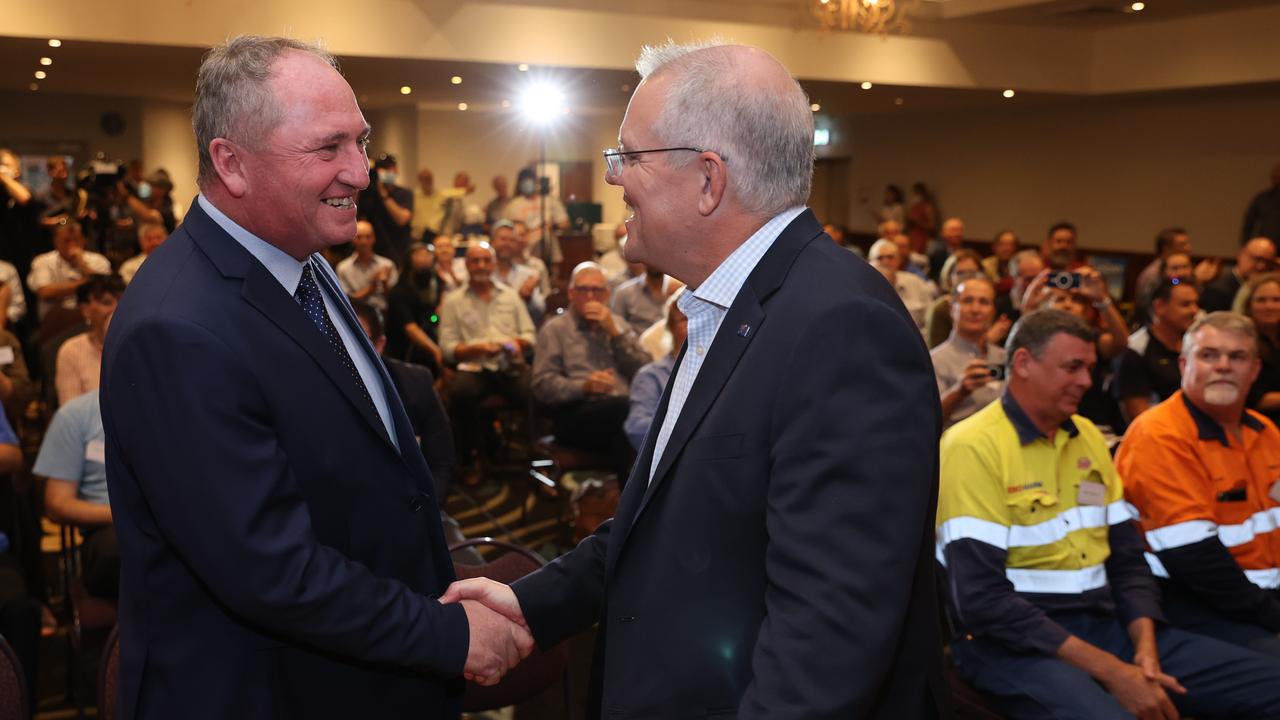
x=279 y=555
x=780 y=564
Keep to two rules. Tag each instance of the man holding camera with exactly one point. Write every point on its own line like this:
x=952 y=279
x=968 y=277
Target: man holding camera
x=969 y=369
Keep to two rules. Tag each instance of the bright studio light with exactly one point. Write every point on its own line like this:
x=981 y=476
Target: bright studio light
x=542 y=103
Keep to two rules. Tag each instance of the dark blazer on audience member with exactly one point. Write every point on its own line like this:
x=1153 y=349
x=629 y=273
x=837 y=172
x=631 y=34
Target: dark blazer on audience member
x=428 y=418
x=780 y=564
x=1220 y=293
x=279 y=555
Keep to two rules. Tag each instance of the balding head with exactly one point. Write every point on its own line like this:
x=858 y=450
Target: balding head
x=1257 y=255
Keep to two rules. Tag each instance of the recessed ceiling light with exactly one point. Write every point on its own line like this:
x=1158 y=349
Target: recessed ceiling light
x=46 y=61
x=405 y=89
x=866 y=86
x=34 y=86
x=1138 y=7
x=898 y=101
x=815 y=107
x=55 y=43
x=523 y=67
x=1008 y=93
x=456 y=79
x=462 y=106
x=40 y=75
x=506 y=103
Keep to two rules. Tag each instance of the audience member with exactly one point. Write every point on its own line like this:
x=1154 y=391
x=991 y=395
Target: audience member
x=1024 y=267
x=1259 y=300
x=1057 y=612
x=616 y=268
x=922 y=217
x=639 y=300
x=388 y=207
x=1059 y=247
x=16 y=387
x=1200 y=469
x=529 y=206
x=150 y=237
x=364 y=274
x=532 y=261
x=915 y=263
x=73 y=460
x=1147 y=370
x=501 y=195
x=461 y=215
x=19 y=227
x=963 y=263
x=1258 y=255
x=428 y=209
x=583 y=364
x=158 y=197
x=969 y=369
x=511 y=271
x=485 y=331
x=891 y=207
x=79 y=362
x=413 y=306
x=452 y=273
x=59 y=201
x=1169 y=241
x=949 y=242
x=915 y=293
x=56 y=275
x=13 y=301
x=19 y=613
x=996 y=266
x=1262 y=218
x=651 y=380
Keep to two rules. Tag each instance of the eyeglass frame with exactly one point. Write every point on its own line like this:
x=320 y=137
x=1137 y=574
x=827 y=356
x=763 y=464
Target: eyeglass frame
x=590 y=290
x=618 y=152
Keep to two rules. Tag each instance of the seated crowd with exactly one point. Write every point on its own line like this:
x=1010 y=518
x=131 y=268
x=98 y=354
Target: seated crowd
x=1107 y=588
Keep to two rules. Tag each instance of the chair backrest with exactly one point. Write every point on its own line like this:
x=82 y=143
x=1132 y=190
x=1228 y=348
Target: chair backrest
x=541 y=669
x=109 y=676
x=13 y=685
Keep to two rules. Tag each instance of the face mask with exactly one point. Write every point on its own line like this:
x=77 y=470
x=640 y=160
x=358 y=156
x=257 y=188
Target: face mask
x=387 y=177
x=144 y=190
x=525 y=187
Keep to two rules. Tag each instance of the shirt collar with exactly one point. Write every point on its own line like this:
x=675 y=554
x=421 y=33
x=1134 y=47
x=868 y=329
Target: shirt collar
x=1209 y=429
x=966 y=346
x=282 y=266
x=722 y=286
x=1027 y=430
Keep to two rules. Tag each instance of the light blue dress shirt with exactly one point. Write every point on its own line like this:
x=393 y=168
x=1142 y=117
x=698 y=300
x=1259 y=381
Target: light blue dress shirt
x=288 y=272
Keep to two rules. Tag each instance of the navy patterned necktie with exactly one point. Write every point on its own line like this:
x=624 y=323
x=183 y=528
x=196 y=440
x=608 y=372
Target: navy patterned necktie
x=309 y=297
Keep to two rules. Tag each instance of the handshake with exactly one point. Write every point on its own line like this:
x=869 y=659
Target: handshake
x=500 y=638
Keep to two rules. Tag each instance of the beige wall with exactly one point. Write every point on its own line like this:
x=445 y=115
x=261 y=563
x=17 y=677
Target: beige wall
x=1120 y=170
x=167 y=142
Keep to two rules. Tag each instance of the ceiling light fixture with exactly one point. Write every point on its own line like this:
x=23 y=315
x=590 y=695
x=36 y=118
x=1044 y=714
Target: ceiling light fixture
x=1138 y=7
x=46 y=61
x=462 y=106
x=542 y=102
x=815 y=107
x=405 y=89
x=1009 y=93
x=40 y=75
x=866 y=86
x=523 y=67
x=456 y=79
x=34 y=86
x=55 y=43
x=869 y=16
x=898 y=101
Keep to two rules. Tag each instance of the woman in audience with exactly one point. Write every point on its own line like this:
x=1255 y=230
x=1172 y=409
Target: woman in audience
x=411 y=309
x=1260 y=301
x=922 y=217
x=446 y=266
x=937 y=324
x=891 y=208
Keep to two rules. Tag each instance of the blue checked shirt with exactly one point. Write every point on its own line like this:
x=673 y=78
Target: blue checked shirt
x=706 y=307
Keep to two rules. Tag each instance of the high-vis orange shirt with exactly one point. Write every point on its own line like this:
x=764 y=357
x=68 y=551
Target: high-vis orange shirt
x=1191 y=482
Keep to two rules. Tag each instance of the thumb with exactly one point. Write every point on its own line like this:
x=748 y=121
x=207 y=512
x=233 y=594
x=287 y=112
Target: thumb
x=461 y=590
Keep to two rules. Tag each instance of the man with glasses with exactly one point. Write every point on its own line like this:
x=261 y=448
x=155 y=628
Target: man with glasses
x=1256 y=256
x=771 y=555
x=1202 y=471
x=582 y=369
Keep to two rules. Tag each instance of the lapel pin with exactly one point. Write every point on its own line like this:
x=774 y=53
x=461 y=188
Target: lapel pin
x=744 y=330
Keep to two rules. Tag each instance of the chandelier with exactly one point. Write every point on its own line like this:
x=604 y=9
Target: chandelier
x=868 y=16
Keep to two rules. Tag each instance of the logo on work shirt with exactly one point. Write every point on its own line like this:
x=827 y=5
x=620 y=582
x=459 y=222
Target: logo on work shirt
x=1019 y=488
x=1084 y=463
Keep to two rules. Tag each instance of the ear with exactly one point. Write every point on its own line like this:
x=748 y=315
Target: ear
x=1022 y=360
x=380 y=344
x=228 y=163
x=1182 y=365
x=715 y=181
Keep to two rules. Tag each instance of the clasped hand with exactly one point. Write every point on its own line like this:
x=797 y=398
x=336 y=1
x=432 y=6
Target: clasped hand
x=500 y=638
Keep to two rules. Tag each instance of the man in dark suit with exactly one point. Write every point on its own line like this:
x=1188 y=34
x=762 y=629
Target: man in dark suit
x=772 y=555
x=279 y=535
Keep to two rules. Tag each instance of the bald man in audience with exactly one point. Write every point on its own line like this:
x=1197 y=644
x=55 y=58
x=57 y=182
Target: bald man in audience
x=949 y=241
x=913 y=291
x=582 y=370
x=1256 y=256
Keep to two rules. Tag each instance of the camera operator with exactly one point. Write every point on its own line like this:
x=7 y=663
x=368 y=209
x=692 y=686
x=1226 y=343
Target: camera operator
x=18 y=228
x=389 y=208
x=968 y=365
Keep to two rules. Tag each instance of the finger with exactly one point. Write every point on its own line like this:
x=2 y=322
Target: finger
x=1167 y=710
x=1170 y=682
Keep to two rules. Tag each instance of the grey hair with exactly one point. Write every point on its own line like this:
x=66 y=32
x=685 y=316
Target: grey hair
x=1226 y=322
x=233 y=100
x=1017 y=259
x=881 y=244
x=586 y=266
x=1034 y=330
x=765 y=137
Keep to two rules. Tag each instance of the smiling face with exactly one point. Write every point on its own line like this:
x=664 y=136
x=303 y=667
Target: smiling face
x=299 y=188
x=1051 y=386
x=1177 y=265
x=1179 y=311
x=973 y=308
x=1264 y=305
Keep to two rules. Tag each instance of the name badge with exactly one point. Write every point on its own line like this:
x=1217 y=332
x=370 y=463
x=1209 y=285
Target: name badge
x=95 y=451
x=1092 y=493
x=6 y=355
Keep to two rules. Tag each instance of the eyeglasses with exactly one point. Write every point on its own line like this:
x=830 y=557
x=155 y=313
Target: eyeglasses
x=615 y=158
x=589 y=290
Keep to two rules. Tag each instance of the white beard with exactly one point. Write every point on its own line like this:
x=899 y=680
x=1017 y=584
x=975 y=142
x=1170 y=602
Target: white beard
x=1221 y=394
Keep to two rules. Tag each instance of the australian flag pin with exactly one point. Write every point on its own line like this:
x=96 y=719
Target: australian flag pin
x=744 y=330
